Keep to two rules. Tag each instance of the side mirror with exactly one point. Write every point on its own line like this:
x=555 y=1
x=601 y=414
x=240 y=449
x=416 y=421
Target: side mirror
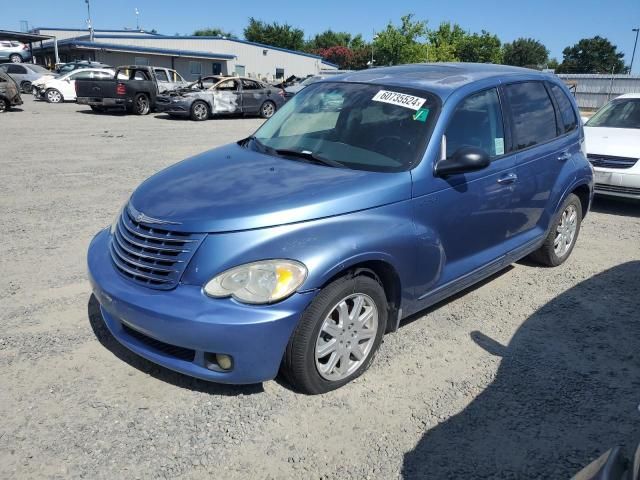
x=67 y=80
x=465 y=159
x=584 y=119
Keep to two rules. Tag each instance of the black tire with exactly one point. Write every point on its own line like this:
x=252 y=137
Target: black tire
x=267 y=109
x=15 y=58
x=199 y=111
x=97 y=108
x=546 y=255
x=26 y=86
x=53 y=96
x=299 y=362
x=4 y=105
x=141 y=104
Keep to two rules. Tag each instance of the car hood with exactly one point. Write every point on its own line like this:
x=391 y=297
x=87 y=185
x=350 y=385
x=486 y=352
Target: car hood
x=232 y=188
x=619 y=142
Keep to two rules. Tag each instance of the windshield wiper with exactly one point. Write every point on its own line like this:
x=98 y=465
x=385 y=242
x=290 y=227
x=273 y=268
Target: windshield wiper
x=310 y=157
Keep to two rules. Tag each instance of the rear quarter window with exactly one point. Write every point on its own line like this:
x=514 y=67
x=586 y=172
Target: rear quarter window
x=534 y=119
x=567 y=113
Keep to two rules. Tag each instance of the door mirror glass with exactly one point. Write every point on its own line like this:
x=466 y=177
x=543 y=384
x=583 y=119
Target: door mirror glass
x=465 y=159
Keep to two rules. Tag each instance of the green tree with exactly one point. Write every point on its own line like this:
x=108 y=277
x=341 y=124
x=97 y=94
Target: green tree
x=553 y=64
x=328 y=39
x=274 y=34
x=483 y=47
x=592 y=55
x=401 y=44
x=525 y=52
x=213 y=32
x=444 y=42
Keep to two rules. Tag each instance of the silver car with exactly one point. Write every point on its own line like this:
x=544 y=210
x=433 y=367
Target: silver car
x=15 y=52
x=25 y=74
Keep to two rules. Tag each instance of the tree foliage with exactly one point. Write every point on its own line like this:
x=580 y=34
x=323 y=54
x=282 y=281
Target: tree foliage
x=213 y=32
x=483 y=47
x=274 y=34
x=592 y=55
x=346 y=58
x=329 y=38
x=525 y=52
x=401 y=44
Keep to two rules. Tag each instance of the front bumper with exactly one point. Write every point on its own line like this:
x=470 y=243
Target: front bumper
x=164 y=326
x=174 y=108
x=617 y=182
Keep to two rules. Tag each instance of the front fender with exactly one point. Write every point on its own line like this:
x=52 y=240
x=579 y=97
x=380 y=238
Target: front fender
x=326 y=246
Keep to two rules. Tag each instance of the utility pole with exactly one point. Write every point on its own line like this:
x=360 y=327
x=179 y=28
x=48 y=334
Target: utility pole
x=89 y=24
x=634 y=49
x=137 y=19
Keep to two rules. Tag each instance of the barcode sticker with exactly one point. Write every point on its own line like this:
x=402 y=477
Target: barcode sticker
x=399 y=99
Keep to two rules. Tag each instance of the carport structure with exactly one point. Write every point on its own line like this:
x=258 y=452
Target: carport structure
x=29 y=39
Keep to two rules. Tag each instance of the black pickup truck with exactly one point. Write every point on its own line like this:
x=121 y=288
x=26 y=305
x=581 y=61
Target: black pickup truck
x=133 y=88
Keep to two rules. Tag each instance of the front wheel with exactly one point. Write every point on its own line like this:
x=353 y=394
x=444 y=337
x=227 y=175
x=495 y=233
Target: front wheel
x=26 y=86
x=337 y=336
x=267 y=109
x=199 y=111
x=562 y=237
x=141 y=105
x=53 y=96
x=4 y=105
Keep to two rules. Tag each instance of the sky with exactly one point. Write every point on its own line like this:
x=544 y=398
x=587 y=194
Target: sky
x=556 y=23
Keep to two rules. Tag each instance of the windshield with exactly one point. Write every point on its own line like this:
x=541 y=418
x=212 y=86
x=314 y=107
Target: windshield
x=359 y=126
x=310 y=80
x=617 y=114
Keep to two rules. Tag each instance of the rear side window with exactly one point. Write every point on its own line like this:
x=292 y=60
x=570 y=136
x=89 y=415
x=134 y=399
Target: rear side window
x=161 y=75
x=16 y=69
x=534 y=120
x=567 y=113
x=477 y=122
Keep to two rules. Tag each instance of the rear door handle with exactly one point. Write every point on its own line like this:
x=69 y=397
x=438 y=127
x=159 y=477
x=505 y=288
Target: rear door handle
x=507 y=179
x=564 y=156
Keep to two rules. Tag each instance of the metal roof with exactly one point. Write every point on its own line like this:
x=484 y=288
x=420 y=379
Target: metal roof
x=78 y=43
x=441 y=78
x=23 y=37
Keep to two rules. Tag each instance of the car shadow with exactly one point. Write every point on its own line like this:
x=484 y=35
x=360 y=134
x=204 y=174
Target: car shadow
x=118 y=112
x=159 y=372
x=624 y=207
x=567 y=390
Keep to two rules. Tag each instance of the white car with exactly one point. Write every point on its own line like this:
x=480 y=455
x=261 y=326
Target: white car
x=613 y=147
x=63 y=88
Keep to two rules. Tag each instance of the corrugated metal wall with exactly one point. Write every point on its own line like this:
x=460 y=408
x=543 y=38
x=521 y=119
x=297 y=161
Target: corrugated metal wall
x=593 y=91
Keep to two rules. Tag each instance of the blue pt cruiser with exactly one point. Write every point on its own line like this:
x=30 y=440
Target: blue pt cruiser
x=366 y=198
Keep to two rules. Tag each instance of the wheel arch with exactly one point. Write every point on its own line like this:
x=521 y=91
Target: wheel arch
x=382 y=271
x=583 y=192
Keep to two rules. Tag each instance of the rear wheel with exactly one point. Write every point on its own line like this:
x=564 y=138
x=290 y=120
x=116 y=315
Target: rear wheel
x=141 y=104
x=15 y=58
x=199 y=111
x=562 y=237
x=337 y=336
x=53 y=96
x=26 y=86
x=267 y=109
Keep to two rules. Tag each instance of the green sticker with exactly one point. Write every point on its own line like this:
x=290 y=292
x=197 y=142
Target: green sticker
x=421 y=115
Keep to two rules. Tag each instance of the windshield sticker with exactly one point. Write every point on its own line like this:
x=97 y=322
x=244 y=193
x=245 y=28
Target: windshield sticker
x=421 y=115
x=399 y=99
x=499 y=144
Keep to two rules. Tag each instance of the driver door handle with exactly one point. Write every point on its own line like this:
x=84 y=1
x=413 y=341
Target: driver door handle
x=564 y=156
x=508 y=179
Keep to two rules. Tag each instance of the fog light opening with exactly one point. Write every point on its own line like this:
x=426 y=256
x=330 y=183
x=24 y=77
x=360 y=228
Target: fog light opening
x=218 y=362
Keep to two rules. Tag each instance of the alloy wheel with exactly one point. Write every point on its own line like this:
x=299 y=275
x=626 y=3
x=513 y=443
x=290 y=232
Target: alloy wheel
x=200 y=111
x=54 y=96
x=346 y=337
x=3 y=104
x=268 y=110
x=566 y=231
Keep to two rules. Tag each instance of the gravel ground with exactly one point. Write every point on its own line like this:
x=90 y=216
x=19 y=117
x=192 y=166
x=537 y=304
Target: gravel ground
x=533 y=373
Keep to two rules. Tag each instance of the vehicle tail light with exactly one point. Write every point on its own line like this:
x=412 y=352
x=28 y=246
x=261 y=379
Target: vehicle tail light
x=121 y=89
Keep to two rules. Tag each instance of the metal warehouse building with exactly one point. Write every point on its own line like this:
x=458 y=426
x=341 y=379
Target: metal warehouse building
x=190 y=56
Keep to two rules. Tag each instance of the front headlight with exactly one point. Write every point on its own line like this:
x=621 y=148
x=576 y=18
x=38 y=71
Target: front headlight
x=267 y=281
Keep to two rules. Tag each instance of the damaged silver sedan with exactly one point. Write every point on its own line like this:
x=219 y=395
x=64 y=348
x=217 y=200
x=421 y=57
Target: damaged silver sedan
x=217 y=95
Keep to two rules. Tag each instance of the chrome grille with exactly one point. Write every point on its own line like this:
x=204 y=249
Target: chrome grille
x=610 y=161
x=151 y=256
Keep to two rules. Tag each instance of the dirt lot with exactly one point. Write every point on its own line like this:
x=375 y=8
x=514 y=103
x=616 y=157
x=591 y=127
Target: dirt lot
x=531 y=374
